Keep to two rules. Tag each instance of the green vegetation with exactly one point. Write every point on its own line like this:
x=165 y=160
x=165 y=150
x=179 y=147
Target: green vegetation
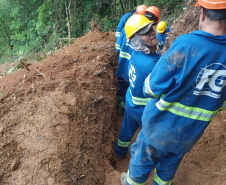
x=29 y=27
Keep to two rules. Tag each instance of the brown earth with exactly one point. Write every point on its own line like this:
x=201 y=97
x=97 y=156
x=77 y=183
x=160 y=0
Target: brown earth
x=57 y=116
x=186 y=22
x=58 y=123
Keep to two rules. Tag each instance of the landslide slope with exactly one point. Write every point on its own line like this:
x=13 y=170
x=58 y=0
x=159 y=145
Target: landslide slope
x=56 y=116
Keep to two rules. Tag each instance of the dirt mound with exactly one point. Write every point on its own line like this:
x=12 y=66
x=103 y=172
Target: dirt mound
x=57 y=116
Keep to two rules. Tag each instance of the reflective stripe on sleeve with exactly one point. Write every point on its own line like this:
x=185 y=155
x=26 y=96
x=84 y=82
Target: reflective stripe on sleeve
x=147 y=87
x=122 y=104
x=117 y=46
x=160 y=44
x=186 y=111
x=125 y=55
x=129 y=45
x=161 y=182
x=117 y=34
x=139 y=101
x=123 y=144
x=131 y=182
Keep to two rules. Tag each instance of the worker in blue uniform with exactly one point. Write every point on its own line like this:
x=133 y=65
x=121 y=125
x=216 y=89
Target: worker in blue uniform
x=139 y=10
x=139 y=30
x=187 y=87
x=124 y=49
x=162 y=34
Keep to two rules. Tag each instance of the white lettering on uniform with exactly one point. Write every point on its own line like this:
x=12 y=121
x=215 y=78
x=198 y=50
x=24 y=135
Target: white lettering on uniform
x=212 y=81
x=216 y=80
x=132 y=75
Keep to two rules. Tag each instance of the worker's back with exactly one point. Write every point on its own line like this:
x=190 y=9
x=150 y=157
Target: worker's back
x=192 y=88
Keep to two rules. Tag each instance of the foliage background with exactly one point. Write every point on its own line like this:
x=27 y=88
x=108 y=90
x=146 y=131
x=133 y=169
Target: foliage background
x=33 y=28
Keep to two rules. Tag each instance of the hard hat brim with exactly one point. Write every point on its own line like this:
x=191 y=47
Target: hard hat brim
x=145 y=29
x=211 y=4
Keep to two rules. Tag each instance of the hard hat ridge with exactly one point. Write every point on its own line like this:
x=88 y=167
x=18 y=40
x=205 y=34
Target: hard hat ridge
x=212 y=4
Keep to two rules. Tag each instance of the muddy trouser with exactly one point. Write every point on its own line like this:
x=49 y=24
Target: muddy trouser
x=131 y=122
x=121 y=91
x=145 y=158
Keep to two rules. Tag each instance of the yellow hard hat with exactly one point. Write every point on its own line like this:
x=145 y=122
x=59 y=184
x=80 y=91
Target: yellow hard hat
x=161 y=27
x=135 y=23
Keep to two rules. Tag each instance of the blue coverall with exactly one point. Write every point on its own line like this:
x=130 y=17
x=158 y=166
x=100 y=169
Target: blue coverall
x=124 y=48
x=162 y=38
x=188 y=86
x=141 y=65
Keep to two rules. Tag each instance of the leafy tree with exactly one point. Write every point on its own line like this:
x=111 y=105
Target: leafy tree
x=32 y=26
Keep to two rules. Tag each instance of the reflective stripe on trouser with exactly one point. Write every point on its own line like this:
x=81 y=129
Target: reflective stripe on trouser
x=186 y=111
x=144 y=158
x=139 y=101
x=159 y=181
x=131 y=122
x=123 y=144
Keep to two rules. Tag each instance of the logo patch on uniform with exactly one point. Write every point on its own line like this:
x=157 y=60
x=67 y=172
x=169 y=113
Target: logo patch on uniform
x=211 y=80
x=132 y=75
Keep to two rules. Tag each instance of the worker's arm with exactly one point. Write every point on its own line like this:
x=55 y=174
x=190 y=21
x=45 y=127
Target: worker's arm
x=122 y=23
x=120 y=42
x=117 y=47
x=164 y=75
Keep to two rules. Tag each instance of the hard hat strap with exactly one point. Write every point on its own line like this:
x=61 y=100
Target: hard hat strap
x=151 y=16
x=144 y=43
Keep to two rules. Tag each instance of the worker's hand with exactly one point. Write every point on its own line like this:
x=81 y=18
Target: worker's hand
x=167 y=42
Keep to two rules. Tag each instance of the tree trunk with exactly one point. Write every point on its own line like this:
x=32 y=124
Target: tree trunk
x=115 y=8
x=8 y=37
x=134 y=3
x=123 y=11
x=56 y=17
x=67 y=8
